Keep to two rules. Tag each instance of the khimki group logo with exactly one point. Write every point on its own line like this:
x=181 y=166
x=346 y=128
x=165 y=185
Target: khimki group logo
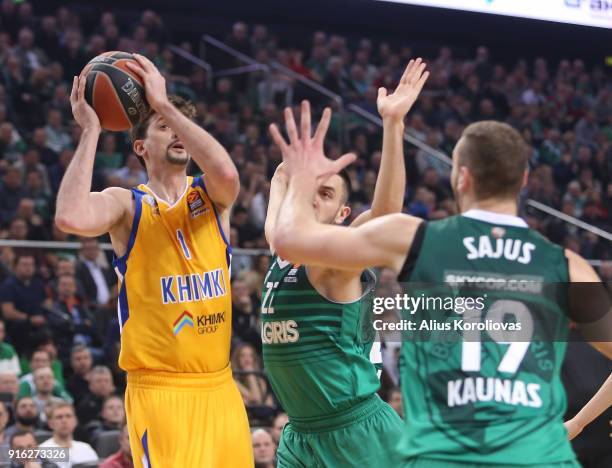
x=185 y=319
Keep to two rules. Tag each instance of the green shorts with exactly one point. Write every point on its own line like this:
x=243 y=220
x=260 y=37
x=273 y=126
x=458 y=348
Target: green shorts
x=434 y=463
x=365 y=435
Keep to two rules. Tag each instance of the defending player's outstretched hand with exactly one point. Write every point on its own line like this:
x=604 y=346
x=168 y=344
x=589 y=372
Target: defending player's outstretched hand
x=396 y=105
x=304 y=154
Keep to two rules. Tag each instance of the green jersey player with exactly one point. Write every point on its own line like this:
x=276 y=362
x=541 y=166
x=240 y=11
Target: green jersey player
x=316 y=355
x=471 y=402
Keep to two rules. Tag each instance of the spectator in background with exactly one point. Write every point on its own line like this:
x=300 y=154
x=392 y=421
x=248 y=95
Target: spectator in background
x=7 y=261
x=40 y=359
x=24 y=440
x=132 y=174
x=63 y=421
x=111 y=418
x=11 y=191
x=57 y=136
x=245 y=322
x=32 y=57
x=22 y=296
x=394 y=398
x=72 y=322
x=9 y=362
x=123 y=457
x=108 y=159
x=95 y=278
x=81 y=362
x=279 y=423
x=66 y=266
x=246 y=365
x=43 y=341
x=239 y=38
x=57 y=170
x=4 y=419
x=39 y=143
x=44 y=382
x=9 y=386
x=27 y=417
x=264 y=449
x=100 y=387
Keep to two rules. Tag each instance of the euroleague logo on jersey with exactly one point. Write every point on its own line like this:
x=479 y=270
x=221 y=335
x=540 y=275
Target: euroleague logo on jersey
x=202 y=325
x=196 y=204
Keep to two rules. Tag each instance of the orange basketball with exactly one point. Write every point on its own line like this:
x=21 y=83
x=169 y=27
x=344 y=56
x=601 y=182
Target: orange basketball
x=114 y=91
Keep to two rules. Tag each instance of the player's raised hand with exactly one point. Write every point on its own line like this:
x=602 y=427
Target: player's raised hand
x=304 y=154
x=154 y=82
x=396 y=105
x=83 y=113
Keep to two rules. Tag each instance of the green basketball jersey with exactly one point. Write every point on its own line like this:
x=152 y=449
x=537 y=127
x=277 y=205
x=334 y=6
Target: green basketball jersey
x=484 y=399
x=316 y=353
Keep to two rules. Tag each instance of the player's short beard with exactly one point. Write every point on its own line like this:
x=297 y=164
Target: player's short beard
x=176 y=161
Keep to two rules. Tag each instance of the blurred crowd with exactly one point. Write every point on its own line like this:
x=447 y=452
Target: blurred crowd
x=59 y=340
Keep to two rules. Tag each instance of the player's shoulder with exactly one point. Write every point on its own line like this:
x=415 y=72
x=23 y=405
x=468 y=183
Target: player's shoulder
x=579 y=269
x=122 y=195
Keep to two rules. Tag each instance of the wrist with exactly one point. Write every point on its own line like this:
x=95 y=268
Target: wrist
x=579 y=420
x=393 y=121
x=91 y=130
x=164 y=107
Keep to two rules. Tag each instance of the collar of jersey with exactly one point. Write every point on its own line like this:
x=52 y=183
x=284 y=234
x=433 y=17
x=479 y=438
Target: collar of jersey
x=150 y=190
x=495 y=218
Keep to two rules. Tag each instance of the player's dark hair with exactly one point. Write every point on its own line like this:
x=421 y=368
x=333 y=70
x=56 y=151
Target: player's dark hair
x=347 y=184
x=139 y=131
x=496 y=156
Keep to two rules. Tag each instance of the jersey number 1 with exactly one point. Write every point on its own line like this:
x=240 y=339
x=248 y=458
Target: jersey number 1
x=181 y=239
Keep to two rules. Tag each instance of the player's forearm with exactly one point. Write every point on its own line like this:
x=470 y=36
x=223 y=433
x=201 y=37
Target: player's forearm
x=600 y=402
x=391 y=181
x=73 y=201
x=207 y=152
x=278 y=190
x=298 y=222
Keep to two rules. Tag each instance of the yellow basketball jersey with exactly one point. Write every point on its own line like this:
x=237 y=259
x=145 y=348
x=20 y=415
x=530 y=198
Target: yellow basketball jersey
x=174 y=307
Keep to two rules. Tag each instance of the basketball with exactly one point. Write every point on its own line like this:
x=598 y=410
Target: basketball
x=114 y=91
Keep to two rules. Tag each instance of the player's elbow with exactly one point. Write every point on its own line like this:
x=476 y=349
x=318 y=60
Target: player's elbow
x=70 y=224
x=284 y=241
x=228 y=175
x=64 y=223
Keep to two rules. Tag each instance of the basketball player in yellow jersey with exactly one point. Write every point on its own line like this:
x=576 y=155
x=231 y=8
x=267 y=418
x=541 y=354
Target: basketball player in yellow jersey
x=172 y=260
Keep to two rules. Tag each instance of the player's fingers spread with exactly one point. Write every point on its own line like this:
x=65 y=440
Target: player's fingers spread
x=291 y=128
x=343 y=161
x=305 y=121
x=144 y=62
x=321 y=131
x=407 y=71
x=135 y=68
x=414 y=71
x=278 y=138
x=419 y=72
x=422 y=81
